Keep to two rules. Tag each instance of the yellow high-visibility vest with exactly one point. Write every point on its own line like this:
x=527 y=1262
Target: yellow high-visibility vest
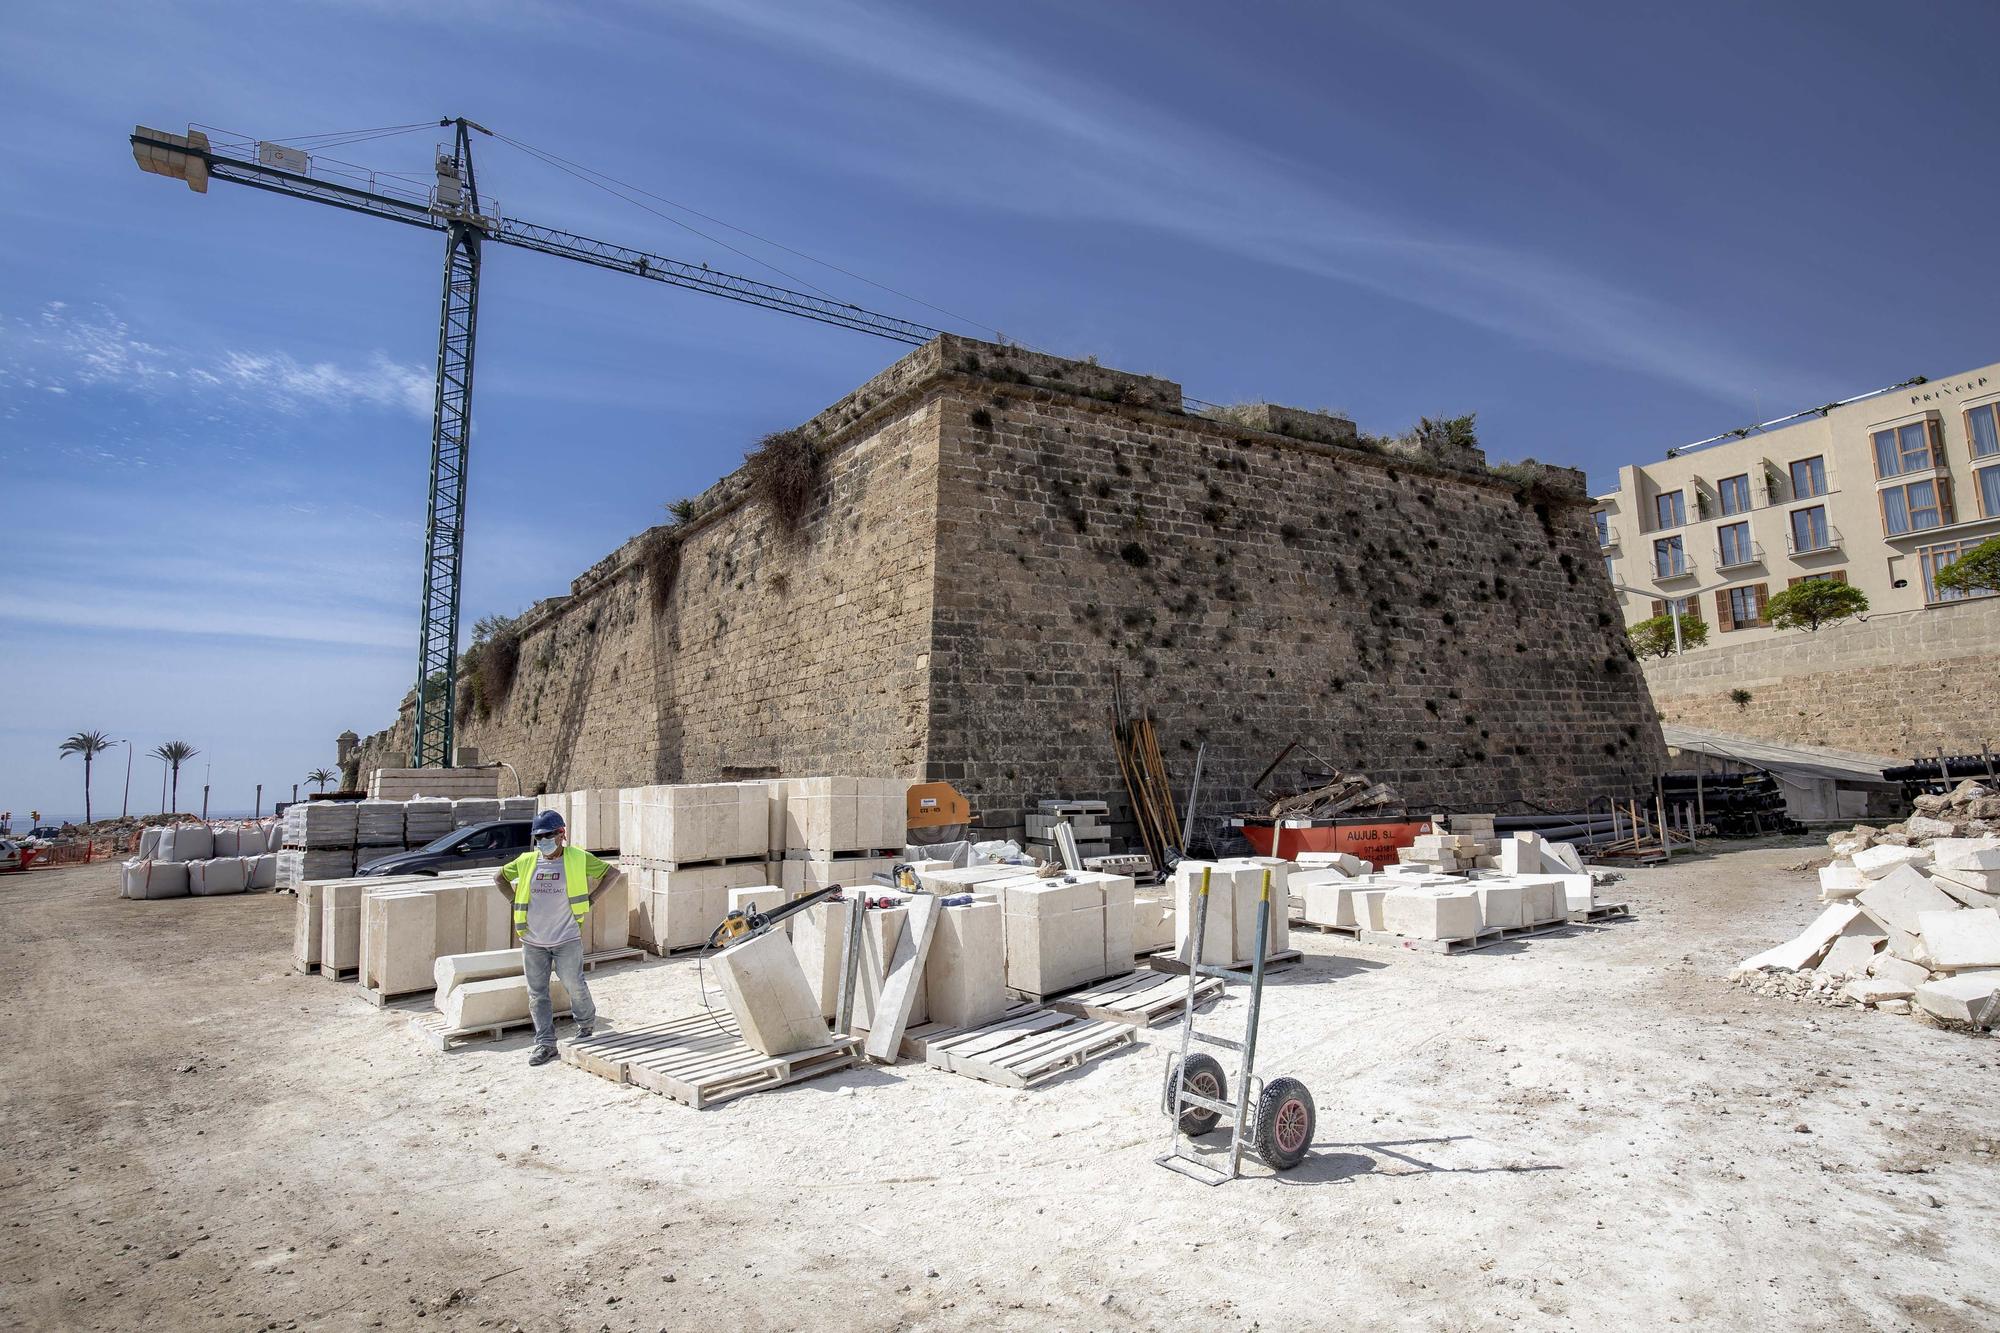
x=576 y=878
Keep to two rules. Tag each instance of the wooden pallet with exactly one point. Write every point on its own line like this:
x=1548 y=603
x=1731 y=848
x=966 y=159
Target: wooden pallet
x=431 y=1030
x=1140 y=998
x=917 y=1040
x=700 y=1060
x=382 y=999
x=338 y=973
x=1602 y=912
x=1465 y=944
x=1031 y=1048
x=1168 y=963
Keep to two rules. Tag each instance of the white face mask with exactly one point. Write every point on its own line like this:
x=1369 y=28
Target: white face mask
x=547 y=846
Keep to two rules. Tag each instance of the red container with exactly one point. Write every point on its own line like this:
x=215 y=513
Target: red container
x=1374 y=841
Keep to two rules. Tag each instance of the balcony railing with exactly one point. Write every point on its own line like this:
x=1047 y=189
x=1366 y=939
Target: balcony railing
x=1607 y=538
x=1679 y=566
x=1746 y=553
x=1809 y=543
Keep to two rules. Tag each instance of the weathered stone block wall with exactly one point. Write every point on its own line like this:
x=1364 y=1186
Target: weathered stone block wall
x=1450 y=634
x=769 y=652
x=1898 y=685
x=1000 y=531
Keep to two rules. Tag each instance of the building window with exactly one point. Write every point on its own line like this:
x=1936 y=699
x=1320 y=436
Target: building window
x=1670 y=508
x=1808 y=478
x=1915 y=505
x=1831 y=576
x=1987 y=479
x=1741 y=608
x=1933 y=559
x=1603 y=522
x=1903 y=449
x=1669 y=558
x=1611 y=568
x=1982 y=427
x=1735 y=493
x=1680 y=606
x=1809 y=530
x=1734 y=542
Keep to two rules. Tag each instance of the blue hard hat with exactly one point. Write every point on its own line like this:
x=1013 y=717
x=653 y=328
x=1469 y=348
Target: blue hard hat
x=548 y=822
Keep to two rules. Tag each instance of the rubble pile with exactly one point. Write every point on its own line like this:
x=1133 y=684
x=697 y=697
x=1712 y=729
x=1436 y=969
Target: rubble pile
x=1912 y=918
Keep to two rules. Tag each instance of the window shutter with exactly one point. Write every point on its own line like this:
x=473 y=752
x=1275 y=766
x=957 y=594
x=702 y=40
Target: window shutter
x=1793 y=583
x=1945 y=515
x=1837 y=576
x=1935 y=427
x=1659 y=607
x=1762 y=597
x=1722 y=616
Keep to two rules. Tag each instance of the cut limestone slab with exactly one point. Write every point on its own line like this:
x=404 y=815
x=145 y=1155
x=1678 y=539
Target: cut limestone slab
x=1502 y=906
x=819 y=938
x=1900 y=971
x=1219 y=938
x=1367 y=905
x=765 y=988
x=1803 y=951
x=903 y=987
x=1838 y=882
x=1966 y=854
x=965 y=978
x=1962 y=939
x=1867 y=990
x=1152 y=920
x=1900 y=894
x=496 y=1001
x=1321 y=892
x=1345 y=863
x=457 y=969
x=1854 y=949
x=1970 y=997
x=1877 y=862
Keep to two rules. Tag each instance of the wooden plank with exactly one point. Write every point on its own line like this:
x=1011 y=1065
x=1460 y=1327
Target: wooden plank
x=906 y=974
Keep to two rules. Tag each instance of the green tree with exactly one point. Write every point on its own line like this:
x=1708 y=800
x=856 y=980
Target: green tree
x=321 y=776
x=174 y=754
x=1814 y=603
x=1654 y=637
x=89 y=744
x=1978 y=570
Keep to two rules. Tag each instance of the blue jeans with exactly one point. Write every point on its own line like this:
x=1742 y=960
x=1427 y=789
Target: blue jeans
x=567 y=961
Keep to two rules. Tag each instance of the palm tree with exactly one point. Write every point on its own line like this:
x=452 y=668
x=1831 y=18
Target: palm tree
x=89 y=744
x=322 y=776
x=174 y=754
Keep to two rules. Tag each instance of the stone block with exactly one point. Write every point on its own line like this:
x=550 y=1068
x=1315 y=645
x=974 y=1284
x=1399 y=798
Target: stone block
x=819 y=938
x=1900 y=894
x=1152 y=920
x=495 y=1001
x=1367 y=907
x=402 y=939
x=1877 y=862
x=1055 y=934
x=1219 y=938
x=1970 y=997
x=1962 y=939
x=1903 y=972
x=1341 y=861
x=1432 y=914
x=803 y=877
x=1974 y=888
x=1502 y=906
x=1971 y=854
x=964 y=878
x=1839 y=882
x=457 y=969
x=1923 y=826
x=881 y=928
x=1521 y=854
x=1867 y=990
x=965 y=977
x=1811 y=943
x=306 y=924
x=1544 y=898
x=766 y=991
x=340 y=921
x=1854 y=949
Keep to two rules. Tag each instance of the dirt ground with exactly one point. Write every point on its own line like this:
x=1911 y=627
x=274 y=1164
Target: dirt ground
x=1573 y=1131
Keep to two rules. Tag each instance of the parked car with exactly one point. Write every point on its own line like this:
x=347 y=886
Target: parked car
x=46 y=832
x=490 y=844
x=13 y=856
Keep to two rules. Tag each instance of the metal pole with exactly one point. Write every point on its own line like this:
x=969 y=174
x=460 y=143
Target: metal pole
x=1666 y=834
x=125 y=808
x=1674 y=609
x=1187 y=825
x=258 y=813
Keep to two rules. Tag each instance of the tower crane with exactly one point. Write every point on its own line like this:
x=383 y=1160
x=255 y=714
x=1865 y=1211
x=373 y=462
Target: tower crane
x=453 y=206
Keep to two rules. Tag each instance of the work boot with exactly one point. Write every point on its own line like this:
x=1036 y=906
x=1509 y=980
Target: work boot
x=585 y=1029
x=541 y=1055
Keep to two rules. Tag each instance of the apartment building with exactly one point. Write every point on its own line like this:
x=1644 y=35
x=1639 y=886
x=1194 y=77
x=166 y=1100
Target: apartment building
x=1881 y=493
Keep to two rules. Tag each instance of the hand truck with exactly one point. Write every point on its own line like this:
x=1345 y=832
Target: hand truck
x=1197 y=1088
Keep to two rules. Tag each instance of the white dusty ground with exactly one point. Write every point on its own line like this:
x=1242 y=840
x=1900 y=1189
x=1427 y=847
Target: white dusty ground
x=1578 y=1131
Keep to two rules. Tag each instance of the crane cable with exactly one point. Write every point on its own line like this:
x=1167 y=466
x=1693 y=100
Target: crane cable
x=596 y=178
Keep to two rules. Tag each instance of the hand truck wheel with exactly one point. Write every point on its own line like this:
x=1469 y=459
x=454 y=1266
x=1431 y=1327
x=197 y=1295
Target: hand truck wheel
x=1204 y=1078
x=1285 y=1120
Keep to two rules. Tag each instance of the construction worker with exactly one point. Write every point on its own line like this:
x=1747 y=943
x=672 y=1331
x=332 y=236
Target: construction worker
x=553 y=889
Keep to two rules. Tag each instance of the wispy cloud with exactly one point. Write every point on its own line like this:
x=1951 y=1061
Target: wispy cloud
x=59 y=349
x=1075 y=150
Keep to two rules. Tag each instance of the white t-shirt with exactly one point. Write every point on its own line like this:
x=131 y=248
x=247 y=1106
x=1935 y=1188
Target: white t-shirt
x=551 y=923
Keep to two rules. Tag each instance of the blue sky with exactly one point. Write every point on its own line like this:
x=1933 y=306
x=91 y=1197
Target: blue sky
x=1606 y=229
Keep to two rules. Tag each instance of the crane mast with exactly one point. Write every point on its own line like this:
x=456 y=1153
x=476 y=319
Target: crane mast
x=453 y=208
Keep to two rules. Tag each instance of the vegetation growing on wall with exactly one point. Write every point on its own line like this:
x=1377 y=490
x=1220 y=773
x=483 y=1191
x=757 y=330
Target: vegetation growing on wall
x=785 y=474
x=660 y=558
x=489 y=665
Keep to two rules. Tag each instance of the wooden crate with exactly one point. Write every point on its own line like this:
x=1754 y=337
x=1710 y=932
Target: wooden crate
x=1031 y=1048
x=700 y=1060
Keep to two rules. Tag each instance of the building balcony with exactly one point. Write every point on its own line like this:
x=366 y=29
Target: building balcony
x=1607 y=538
x=1812 y=543
x=1746 y=553
x=1666 y=568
